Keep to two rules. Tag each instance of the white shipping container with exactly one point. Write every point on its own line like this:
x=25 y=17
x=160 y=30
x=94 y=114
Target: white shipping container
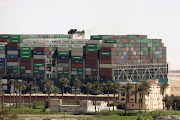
x=132 y=48
x=127 y=49
x=139 y=61
x=88 y=69
x=26 y=44
x=39 y=56
x=94 y=41
x=63 y=49
x=41 y=41
x=149 y=44
x=28 y=71
x=60 y=68
x=63 y=45
x=2 y=51
x=77 y=45
x=124 y=53
x=77 y=49
x=12 y=63
x=74 y=72
x=81 y=41
x=4 y=81
x=41 y=68
x=12 y=52
x=66 y=41
x=28 y=40
x=3 y=43
x=63 y=65
x=39 y=45
x=141 y=52
x=109 y=45
x=106 y=65
x=134 y=53
x=2 y=55
x=77 y=53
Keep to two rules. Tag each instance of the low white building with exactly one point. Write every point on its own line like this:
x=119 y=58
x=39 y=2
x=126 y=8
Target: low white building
x=85 y=106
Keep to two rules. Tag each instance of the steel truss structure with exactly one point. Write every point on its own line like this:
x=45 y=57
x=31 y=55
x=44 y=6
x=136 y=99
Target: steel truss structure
x=139 y=71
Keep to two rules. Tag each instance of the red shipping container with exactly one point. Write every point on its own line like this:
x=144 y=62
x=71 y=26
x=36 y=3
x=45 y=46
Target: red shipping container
x=4 y=40
x=41 y=48
x=9 y=71
x=107 y=49
x=91 y=62
x=107 y=57
x=94 y=73
x=25 y=60
x=77 y=65
x=66 y=69
x=12 y=59
x=23 y=71
x=2 y=70
x=91 y=53
x=91 y=58
x=13 y=44
x=105 y=74
x=25 y=64
x=107 y=61
x=39 y=60
x=91 y=66
x=63 y=61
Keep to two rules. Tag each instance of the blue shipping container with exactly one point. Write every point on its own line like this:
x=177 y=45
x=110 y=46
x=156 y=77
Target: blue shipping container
x=2 y=67
x=62 y=57
x=2 y=59
x=77 y=61
x=79 y=69
x=13 y=48
x=9 y=67
x=118 y=61
x=41 y=71
x=39 y=53
x=12 y=56
x=137 y=44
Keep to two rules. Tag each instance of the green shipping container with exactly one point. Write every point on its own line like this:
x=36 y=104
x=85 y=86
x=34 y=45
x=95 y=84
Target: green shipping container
x=39 y=64
x=25 y=48
x=35 y=71
x=94 y=70
x=77 y=57
x=91 y=49
x=63 y=53
x=15 y=67
x=4 y=36
x=25 y=52
x=91 y=45
x=15 y=71
x=106 y=53
x=15 y=41
x=65 y=72
x=110 y=41
x=79 y=73
x=88 y=73
x=73 y=69
x=25 y=56
x=95 y=37
x=22 y=67
x=60 y=72
x=132 y=37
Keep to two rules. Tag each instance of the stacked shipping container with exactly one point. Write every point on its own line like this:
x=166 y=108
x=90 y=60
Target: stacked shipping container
x=77 y=59
x=2 y=56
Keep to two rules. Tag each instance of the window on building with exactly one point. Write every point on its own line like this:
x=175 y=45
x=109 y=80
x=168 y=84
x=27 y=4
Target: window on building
x=122 y=93
x=122 y=99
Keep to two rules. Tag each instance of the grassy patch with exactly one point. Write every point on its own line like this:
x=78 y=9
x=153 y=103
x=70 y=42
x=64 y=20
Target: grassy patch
x=117 y=117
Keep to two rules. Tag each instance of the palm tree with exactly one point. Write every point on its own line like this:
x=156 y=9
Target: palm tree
x=56 y=91
x=127 y=88
x=64 y=83
x=88 y=87
x=48 y=87
x=97 y=89
x=142 y=89
x=21 y=86
x=77 y=84
x=10 y=82
x=31 y=86
x=13 y=84
x=115 y=88
x=163 y=87
x=108 y=87
x=16 y=84
x=2 y=94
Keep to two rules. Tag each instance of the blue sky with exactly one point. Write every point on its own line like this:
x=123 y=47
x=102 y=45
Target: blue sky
x=156 y=18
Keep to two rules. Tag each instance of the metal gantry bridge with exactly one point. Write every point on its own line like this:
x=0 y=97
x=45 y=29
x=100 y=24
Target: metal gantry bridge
x=139 y=71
